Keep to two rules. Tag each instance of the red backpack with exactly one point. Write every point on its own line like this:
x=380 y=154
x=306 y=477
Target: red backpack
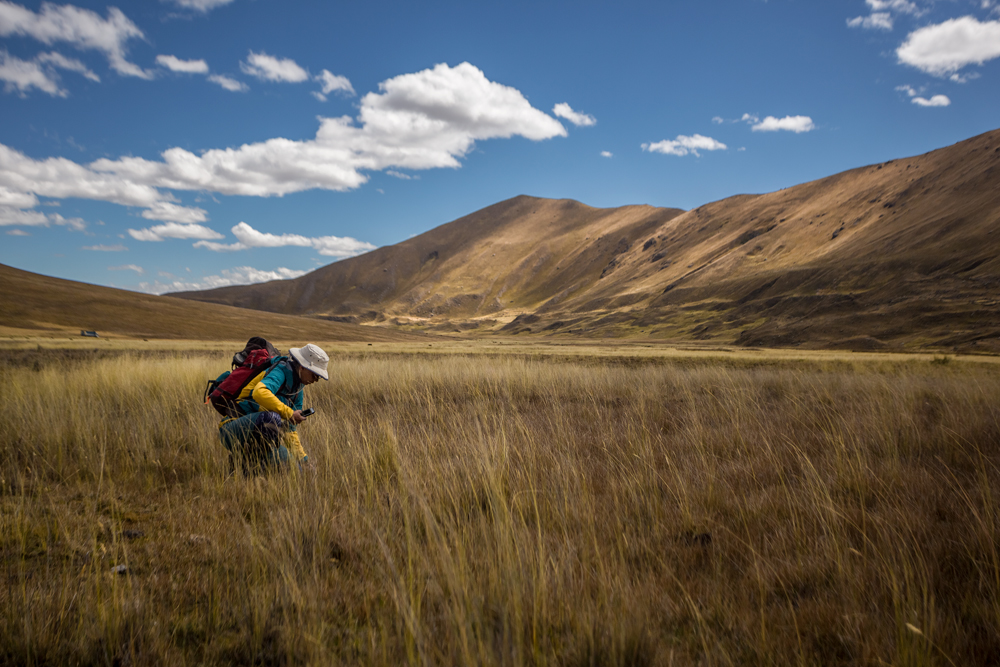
x=251 y=361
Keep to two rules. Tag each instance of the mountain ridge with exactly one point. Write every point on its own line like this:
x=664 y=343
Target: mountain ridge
x=898 y=254
x=49 y=306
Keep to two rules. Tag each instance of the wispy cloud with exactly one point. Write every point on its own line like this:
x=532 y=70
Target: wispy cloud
x=607 y=154
x=228 y=83
x=76 y=224
x=248 y=237
x=174 y=230
x=170 y=212
x=332 y=83
x=199 y=66
x=683 y=145
x=882 y=11
x=175 y=64
x=106 y=248
x=202 y=6
x=240 y=275
x=16 y=216
x=128 y=267
x=71 y=64
x=874 y=21
x=270 y=68
x=24 y=75
x=898 y=6
x=80 y=28
x=564 y=110
x=40 y=73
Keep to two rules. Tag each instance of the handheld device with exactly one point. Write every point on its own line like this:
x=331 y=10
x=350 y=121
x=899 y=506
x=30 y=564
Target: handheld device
x=308 y=411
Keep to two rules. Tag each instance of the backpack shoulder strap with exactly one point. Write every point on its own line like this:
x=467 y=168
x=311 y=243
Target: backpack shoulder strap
x=291 y=385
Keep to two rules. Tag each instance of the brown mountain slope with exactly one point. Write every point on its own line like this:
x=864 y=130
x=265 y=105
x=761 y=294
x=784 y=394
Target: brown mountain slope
x=482 y=269
x=29 y=301
x=902 y=253
x=906 y=252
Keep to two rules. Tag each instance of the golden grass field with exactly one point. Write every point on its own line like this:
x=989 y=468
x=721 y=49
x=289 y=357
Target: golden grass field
x=505 y=504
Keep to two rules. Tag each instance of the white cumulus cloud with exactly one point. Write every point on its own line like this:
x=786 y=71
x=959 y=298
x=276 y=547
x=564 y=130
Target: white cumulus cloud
x=607 y=154
x=12 y=215
x=935 y=101
x=425 y=120
x=17 y=199
x=80 y=28
x=797 y=124
x=248 y=237
x=174 y=230
x=943 y=49
x=564 y=110
x=270 y=68
x=170 y=212
x=60 y=178
x=683 y=145
x=175 y=64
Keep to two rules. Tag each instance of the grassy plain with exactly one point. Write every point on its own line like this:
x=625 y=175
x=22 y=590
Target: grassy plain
x=506 y=504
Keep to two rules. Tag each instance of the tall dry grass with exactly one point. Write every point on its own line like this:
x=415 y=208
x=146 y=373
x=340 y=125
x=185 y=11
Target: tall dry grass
x=508 y=511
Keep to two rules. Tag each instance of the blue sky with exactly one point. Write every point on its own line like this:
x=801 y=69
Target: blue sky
x=187 y=144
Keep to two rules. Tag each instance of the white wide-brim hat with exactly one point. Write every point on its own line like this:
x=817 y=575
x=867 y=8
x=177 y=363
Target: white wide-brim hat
x=312 y=357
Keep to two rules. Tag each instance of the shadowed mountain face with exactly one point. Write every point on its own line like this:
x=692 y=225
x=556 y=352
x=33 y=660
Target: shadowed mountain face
x=905 y=253
x=34 y=303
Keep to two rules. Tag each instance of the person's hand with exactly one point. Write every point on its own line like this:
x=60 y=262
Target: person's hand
x=297 y=417
x=305 y=465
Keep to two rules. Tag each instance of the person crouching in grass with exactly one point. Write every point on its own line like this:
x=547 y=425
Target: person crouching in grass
x=265 y=437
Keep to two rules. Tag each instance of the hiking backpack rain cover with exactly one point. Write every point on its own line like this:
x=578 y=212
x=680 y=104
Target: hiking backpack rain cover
x=248 y=363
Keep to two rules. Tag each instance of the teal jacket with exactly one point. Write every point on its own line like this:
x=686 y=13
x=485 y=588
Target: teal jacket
x=277 y=389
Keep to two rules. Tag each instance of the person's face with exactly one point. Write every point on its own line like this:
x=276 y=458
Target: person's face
x=306 y=375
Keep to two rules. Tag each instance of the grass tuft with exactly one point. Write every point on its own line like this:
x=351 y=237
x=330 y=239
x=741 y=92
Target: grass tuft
x=508 y=509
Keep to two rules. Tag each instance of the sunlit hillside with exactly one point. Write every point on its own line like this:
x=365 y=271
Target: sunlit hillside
x=35 y=305
x=898 y=254
x=478 y=271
